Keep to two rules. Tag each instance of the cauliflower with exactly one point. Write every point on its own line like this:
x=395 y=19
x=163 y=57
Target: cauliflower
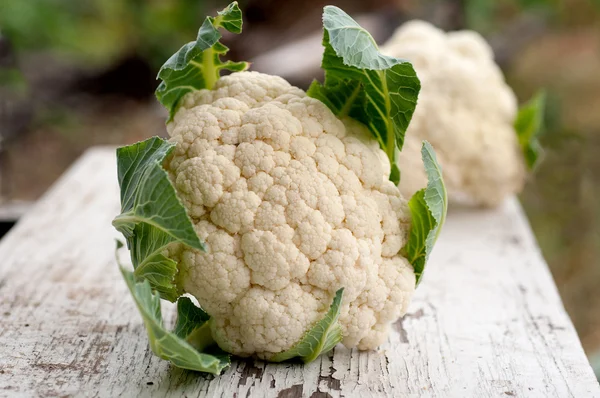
x=276 y=209
x=466 y=110
x=292 y=206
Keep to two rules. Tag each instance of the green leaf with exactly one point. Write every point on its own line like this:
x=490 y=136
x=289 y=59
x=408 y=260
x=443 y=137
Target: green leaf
x=152 y=217
x=189 y=317
x=428 y=209
x=528 y=125
x=360 y=82
x=320 y=338
x=174 y=347
x=198 y=64
x=12 y=81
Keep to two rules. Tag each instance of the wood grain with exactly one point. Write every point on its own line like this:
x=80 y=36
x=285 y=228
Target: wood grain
x=487 y=320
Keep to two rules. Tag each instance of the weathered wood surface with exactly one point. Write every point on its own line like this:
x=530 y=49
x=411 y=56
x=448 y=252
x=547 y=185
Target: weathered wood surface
x=486 y=322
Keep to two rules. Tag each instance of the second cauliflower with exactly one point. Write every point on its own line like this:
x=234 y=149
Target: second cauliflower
x=465 y=110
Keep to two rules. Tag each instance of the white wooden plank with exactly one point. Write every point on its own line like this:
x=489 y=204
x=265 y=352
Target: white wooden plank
x=486 y=322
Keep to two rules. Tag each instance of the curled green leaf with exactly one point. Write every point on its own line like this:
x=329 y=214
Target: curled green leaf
x=198 y=64
x=428 y=209
x=152 y=217
x=360 y=82
x=177 y=347
x=321 y=338
x=528 y=126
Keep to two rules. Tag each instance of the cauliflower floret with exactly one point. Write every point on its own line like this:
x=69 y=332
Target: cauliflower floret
x=293 y=204
x=465 y=110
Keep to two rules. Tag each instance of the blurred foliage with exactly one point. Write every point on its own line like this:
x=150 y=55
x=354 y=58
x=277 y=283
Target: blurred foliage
x=97 y=32
x=12 y=79
x=489 y=15
x=486 y=16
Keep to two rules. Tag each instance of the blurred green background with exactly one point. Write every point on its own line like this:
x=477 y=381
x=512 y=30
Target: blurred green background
x=77 y=73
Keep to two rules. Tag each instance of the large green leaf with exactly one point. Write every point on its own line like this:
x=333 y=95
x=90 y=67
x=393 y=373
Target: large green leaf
x=174 y=346
x=320 y=338
x=378 y=90
x=528 y=125
x=198 y=64
x=428 y=209
x=152 y=217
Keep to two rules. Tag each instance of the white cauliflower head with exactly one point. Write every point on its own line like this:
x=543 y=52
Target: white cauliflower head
x=293 y=204
x=465 y=110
